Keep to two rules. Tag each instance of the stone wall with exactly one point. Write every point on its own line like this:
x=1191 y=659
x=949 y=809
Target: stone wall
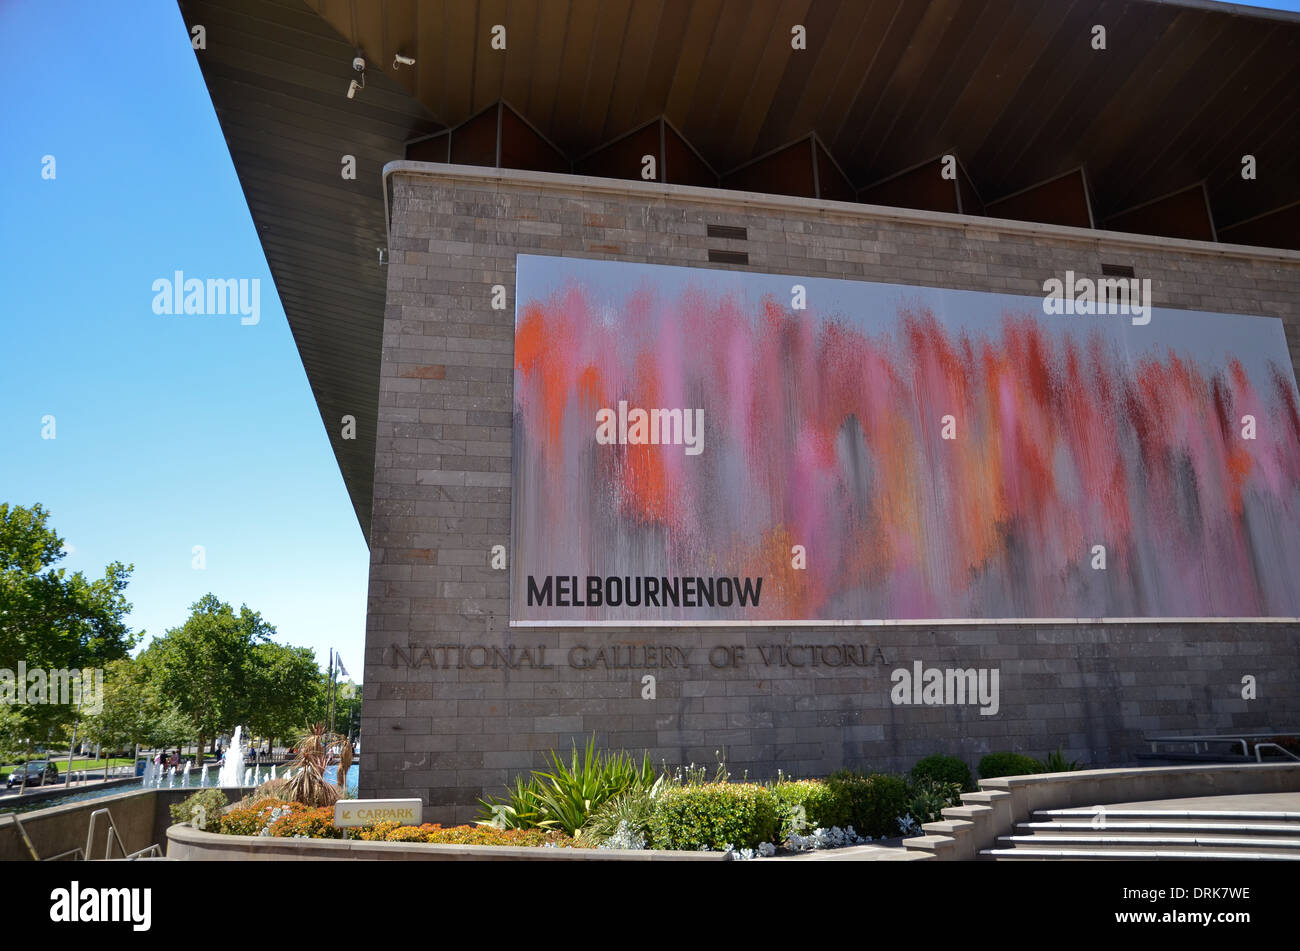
x=448 y=725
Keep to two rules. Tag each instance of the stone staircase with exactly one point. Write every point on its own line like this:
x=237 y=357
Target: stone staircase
x=1136 y=834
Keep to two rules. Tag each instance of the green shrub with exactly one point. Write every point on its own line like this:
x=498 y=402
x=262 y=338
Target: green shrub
x=566 y=796
x=871 y=802
x=1057 y=763
x=1008 y=764
x=521 y=809
x=202 y=810
x=714 y=816
x=944 y=769
x=926 y=800
x=809 y=804
x=626 y=818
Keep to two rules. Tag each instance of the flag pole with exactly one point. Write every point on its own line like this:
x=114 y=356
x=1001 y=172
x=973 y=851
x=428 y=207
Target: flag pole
x=330 y=693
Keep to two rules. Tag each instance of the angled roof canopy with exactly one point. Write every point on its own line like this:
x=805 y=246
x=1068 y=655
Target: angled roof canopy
x=1154 y=127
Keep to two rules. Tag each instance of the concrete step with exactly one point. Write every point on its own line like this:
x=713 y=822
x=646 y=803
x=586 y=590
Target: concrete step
x=1130 y=855
x=1113 y=825
x=1150 y=834
x=1109 y=840
x=1204 y=814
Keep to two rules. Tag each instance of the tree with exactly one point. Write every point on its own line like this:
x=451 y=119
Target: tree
x=51 y=620
x=133 y=711
x=13 y=732
x=206 y=666
x=347 y=708
x=118 y=721
x=286 y=689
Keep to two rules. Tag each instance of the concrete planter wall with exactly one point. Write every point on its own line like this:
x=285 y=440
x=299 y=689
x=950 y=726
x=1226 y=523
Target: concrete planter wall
x=186 y=842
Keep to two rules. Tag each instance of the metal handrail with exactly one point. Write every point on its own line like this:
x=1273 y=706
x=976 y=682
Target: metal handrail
x=1199 y=741
x=27 y=840
x=84 y=854
x=114 y=835
x=1281 y=749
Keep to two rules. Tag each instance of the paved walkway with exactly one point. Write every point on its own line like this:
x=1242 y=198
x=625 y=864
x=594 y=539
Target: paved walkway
x=884 y=850
x=1259 y=802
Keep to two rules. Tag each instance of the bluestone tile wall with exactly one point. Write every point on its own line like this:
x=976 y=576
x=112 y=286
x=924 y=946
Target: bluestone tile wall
x=442 y=500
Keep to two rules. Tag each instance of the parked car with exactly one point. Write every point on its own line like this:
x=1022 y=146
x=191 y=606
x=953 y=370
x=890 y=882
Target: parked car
x=39 y=773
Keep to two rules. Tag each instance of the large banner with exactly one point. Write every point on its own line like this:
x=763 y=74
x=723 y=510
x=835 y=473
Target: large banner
x=699 y=445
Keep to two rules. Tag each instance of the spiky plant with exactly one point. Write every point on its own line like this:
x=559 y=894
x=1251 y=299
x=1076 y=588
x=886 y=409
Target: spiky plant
x=308 y=784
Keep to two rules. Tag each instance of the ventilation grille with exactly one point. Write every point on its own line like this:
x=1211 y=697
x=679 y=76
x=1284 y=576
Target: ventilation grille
x=728 y=257
x=1117 y=270
x=728 y=231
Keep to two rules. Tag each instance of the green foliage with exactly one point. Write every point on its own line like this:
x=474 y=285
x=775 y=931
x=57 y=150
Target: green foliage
x=202 y=810
x=714 y=816
x=288 y=688
x=629 y=813
x=944 y=769
x=51 y=619
x=204 y=666
x=872 y=802
x=13 y=734
x=134 y=711
x=809 y=804
x=1008 y=764
x=521 y=809
x=1057 y=763
x=347 y=706
x=927 y=798
x=566 y=796
x=569 y=793
x=220 y=669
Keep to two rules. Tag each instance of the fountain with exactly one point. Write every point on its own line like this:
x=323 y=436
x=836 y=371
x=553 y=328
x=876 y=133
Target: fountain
x=248 y=776
x=185 y=775
x=232 y=769
x=171 y=777
x=203 y=779
x=272 y=771
x=146 y=778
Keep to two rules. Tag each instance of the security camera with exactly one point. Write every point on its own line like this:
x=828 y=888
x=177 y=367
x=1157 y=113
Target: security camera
x=359 y=64
x=400 y=60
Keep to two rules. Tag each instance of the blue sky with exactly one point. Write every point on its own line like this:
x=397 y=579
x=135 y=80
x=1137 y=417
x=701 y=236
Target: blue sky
x=171 y=432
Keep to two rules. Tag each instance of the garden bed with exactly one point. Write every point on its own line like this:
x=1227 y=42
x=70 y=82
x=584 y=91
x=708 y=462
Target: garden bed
x=186 y=842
